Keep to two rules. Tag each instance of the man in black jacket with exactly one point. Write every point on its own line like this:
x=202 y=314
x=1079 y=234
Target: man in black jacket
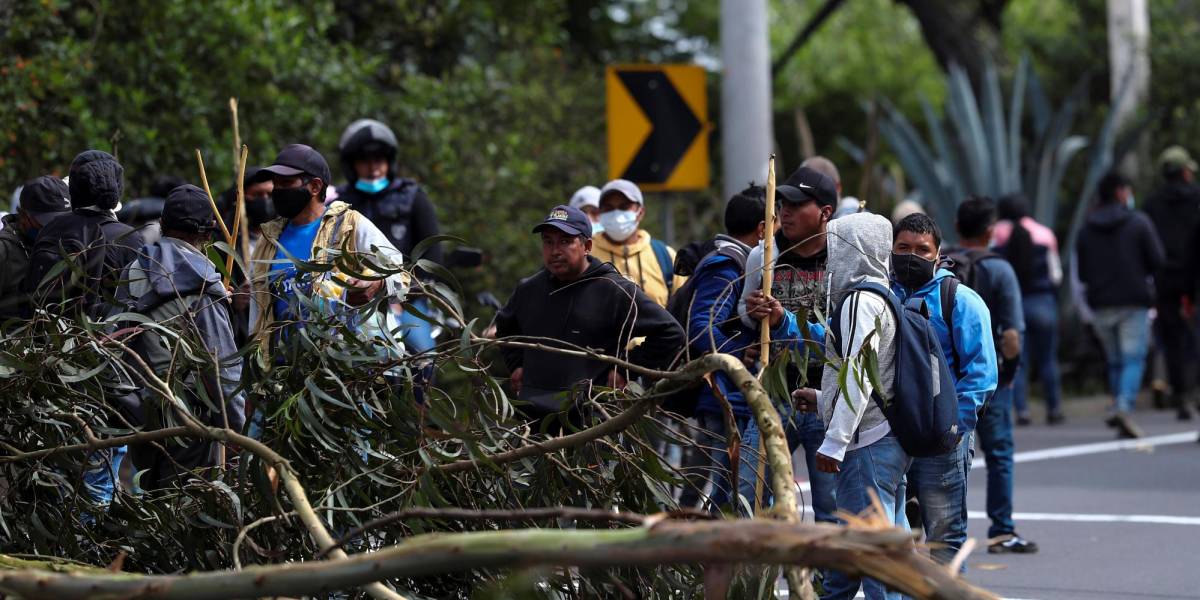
x=102 y=246
x=1175 y=210
x=578 y=302
x=1118 y=253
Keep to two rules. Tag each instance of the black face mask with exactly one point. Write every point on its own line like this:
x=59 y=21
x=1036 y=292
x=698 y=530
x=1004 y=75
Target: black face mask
x=912 y=271
x=260 y=211
x=290 y=202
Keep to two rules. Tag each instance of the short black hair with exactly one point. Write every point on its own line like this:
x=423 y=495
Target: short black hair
x=975 y=215
x=745 y=210
x=1012 y=207
x=1109 y=184
x=919 y=223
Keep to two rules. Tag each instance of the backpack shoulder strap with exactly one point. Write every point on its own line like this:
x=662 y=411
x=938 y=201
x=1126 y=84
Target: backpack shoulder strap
x=835 y=321
x=736 y=254
x=665 y=264
x=949 y=293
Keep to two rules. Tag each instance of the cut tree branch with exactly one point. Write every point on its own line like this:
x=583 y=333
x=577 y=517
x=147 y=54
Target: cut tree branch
x=886 y=555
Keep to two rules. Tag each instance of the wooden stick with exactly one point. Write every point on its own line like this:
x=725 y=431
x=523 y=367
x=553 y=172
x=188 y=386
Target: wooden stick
x=211 y=202
x=237 y=137
x=239 y=211
x=238 y=148
x=764 y=335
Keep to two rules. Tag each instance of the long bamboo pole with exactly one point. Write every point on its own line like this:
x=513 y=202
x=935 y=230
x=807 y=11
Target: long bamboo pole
x=238 y=155
x=764 y=334
x=216 y=212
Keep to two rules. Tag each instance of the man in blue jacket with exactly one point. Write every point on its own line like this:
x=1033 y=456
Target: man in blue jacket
x=940 y=482
x=713 y=326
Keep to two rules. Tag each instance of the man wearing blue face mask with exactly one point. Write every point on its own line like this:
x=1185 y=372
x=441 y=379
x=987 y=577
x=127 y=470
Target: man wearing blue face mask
x=396 y=205
x=642 y=259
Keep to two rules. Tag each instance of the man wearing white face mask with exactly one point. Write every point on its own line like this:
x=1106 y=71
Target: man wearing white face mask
x=640 y=258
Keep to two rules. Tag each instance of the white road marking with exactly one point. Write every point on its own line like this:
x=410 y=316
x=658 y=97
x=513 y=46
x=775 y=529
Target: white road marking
x=1097 y=448
x=783 y=593
x=1095 y=518
x=1187 y=437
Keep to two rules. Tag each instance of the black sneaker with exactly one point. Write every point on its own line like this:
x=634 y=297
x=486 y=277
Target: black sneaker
x=1126 y=428
x=1024 y=420
x=1056 y=418
x=1183 y=413
x=1013 y=544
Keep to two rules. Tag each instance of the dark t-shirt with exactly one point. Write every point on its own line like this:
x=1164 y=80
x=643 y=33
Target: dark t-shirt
x=800 y=285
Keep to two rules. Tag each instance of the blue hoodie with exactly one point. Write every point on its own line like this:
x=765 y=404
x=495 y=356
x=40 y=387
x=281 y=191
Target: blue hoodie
x=975 y=379
x=717 y=284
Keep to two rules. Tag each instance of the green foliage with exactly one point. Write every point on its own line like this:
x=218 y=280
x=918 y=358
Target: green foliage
x=982 y=149
x=868 y=49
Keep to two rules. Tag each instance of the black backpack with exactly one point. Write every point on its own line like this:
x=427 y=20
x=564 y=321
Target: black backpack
x=965 y=263
x=680 y=306
x=923 y=410
x=78 y=257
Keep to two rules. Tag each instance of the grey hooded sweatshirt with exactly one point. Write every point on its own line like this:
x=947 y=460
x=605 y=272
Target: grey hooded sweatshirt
x=860 y=249
x=180 y=289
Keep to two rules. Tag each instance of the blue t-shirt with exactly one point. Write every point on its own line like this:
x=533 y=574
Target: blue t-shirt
x=285 y=279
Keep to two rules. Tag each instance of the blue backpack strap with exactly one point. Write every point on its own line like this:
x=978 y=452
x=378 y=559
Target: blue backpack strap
x=663 y=255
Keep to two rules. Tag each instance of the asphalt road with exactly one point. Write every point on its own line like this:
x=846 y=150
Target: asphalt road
x=1156 y=483
x=1113 y=520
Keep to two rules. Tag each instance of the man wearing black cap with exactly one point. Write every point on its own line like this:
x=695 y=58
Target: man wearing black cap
x=42 y=200
x=809 y=198
x=576 y=301
x=306 y=231
x=96 y=184
x=174 y=283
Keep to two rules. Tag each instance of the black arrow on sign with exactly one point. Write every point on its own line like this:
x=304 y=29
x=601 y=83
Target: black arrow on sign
x=673 y=126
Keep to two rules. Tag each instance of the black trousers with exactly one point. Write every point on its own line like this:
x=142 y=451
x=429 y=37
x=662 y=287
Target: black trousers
x=1178 y=342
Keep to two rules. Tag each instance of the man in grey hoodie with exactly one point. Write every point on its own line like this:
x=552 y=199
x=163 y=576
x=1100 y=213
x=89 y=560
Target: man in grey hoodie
x=177 y=286
x=859 y=444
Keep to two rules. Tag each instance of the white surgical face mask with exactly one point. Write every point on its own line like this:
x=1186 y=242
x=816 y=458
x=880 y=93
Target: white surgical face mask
x=619 y=224
x=597 y=229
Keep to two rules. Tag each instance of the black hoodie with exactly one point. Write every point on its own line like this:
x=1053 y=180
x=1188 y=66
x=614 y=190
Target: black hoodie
x=602 y=310
x=1175 y=211
x=1118 y=253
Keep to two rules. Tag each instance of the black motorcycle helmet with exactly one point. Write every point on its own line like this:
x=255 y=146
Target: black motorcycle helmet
x=367 y=137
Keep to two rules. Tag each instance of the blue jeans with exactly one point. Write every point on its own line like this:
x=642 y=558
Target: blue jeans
x=801 y=429
x=995 y=433
x=1124 y=335
x=880 y=467
x=940 y=485
x=100 y=478
x=713 y=441
x=1040 y=351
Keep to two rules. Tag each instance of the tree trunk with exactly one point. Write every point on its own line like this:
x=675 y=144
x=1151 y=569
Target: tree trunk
x=886 y=554
x=962 y=32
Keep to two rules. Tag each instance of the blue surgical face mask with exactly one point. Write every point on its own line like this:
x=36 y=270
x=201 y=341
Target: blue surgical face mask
x=371 y=186
x=1131 y=203
x=597 y=228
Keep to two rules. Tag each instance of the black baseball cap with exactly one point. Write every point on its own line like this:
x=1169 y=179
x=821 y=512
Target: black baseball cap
x=298 y=159
x=807 y=184
x=567 y=220
x=187 y=209
x=45 y=198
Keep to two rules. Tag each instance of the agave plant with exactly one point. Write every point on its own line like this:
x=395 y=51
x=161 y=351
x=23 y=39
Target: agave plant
x=980 y=148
